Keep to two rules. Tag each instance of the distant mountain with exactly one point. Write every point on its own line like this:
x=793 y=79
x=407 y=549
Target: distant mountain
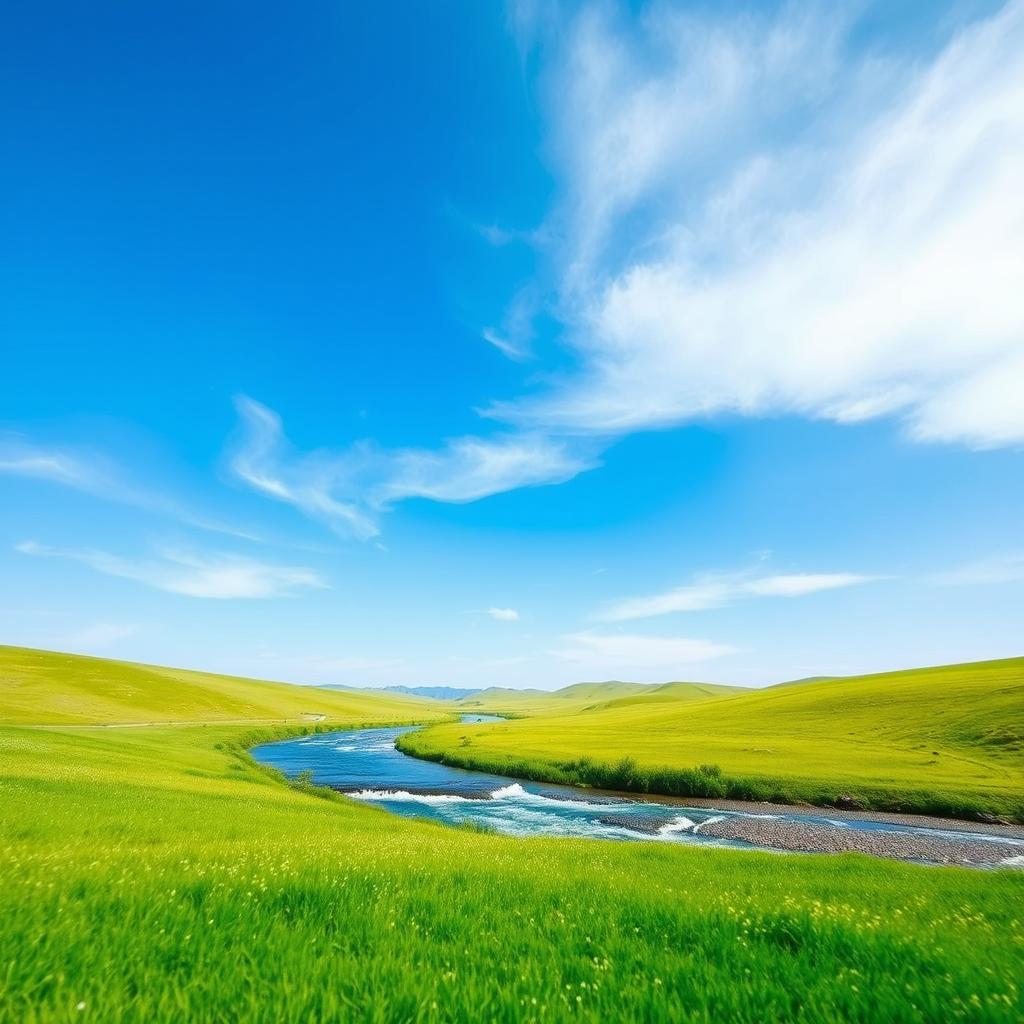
x=433 y=692
x=437 y=692
x=527 y=699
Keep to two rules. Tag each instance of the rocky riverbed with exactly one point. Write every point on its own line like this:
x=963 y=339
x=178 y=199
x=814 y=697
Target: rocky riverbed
x=914 y=844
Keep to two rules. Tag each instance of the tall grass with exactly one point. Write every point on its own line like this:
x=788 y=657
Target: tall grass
x=161 y=875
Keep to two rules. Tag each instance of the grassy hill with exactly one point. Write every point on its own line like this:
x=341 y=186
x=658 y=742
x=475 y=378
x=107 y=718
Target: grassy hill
x=608 y=690
x=501 y=700
x=47 y=687
x=158 y=874
x=942 y=740
x=675 y=693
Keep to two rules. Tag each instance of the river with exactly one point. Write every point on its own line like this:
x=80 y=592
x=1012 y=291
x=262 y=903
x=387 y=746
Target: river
x=365 y=765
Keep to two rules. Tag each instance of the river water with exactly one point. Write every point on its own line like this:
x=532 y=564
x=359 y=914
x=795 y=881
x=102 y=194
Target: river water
x=364 y=764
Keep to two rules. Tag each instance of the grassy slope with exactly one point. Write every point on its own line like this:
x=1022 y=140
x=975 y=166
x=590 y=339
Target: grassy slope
x=676 y=693
x=158 y=874
x=43 y=686
x=571 y=699
x=948 y=740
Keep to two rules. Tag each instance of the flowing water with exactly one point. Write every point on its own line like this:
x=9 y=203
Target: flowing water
x=364 y=764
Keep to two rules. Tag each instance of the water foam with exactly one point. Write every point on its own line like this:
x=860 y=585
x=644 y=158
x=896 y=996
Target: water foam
x=707 y=821
x=680 y=823
x=404 y=796
x=524 y=820
x=508 y=792
x=516 y=792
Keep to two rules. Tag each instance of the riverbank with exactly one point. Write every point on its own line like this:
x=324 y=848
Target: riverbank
x=367 y=766
x=946 y=741
x=490 y=750
x=770 y=831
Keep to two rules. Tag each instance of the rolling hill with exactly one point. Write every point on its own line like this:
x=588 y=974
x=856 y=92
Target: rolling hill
x=948 y=739
x=501 y=700
x=72 y=689
x=159 y=874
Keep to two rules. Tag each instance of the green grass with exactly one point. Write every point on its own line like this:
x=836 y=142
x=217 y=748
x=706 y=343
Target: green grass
x=43 y=687
x=587 y=696
x=946 y=740
x=158 y=874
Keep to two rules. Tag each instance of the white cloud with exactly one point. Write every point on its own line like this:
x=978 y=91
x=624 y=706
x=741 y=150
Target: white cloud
x=1007 y=568
x=798 y=584
x=21 y=458
x=348 y=490
x=516 y=334
x=753 y=227
x=263 y=460
x=716 y=590
x=503 y=614
x=206 y=576
x=633 y=655
x=505 y=345
x=96 y=475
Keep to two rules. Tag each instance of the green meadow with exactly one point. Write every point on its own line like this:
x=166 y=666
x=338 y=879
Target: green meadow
x=156 y=873
x=947 y=741
x=41 y=687
x=586 y=696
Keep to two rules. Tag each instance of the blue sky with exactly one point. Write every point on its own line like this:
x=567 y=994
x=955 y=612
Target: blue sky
x=469 y=344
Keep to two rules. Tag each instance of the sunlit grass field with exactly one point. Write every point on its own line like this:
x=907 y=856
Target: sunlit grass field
x=159 y=874
x=584 y=696
x=43 y=687
x=946 y=740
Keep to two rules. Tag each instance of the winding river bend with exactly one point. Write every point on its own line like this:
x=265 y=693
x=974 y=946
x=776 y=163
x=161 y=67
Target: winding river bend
x=365 y=765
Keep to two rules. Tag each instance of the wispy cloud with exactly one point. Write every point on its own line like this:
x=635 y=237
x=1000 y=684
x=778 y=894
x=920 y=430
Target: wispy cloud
x=632 y=654
x=758 y=221
x=1007 y=568
x=516 y=334
x=218 y=576
x=98 y=475
x=348 y=490
x=21 y=458
x=503 y=614
x=717 y=590
x=506 y=344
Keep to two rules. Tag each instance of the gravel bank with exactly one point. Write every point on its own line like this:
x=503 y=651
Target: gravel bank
x=815 y=838
x=918 y=820
x=636 y=823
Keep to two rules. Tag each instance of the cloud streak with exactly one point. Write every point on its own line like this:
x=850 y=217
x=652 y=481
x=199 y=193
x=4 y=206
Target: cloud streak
x=348 y=490
x=753 y=226
x=503 y=614
x=99 y=477
x=217 y=577
x=717 y=590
